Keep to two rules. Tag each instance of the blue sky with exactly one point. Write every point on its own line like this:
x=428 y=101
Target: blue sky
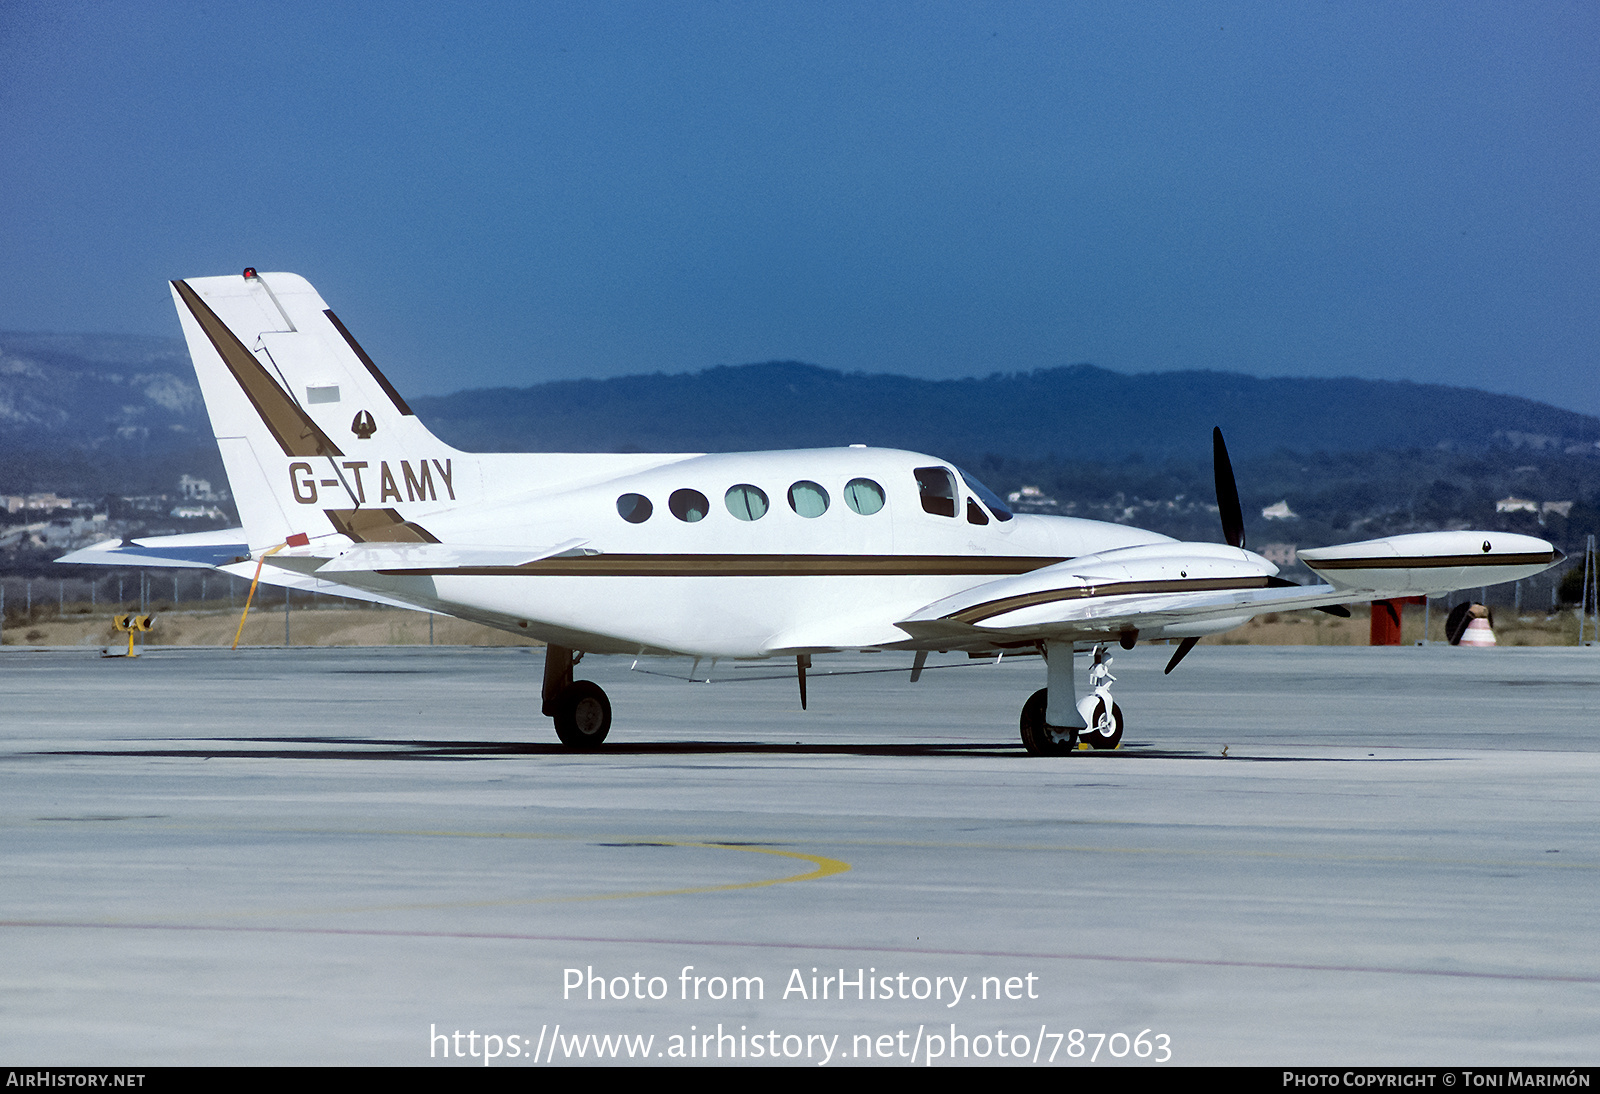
x=501 y=194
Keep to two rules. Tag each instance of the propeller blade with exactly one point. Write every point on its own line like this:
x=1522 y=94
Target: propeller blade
x=1227 y=492
x=1183 y=651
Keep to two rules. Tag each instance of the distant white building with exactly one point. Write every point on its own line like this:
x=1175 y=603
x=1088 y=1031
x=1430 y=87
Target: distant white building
x=1280 y=511
x=1032 y=497
x=194 y=489
x=1516 y=505
x=15 y=503
x=197 y=512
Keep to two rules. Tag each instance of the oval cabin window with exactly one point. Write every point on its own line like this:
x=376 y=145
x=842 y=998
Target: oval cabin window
x=808 y=498
x=746 y=502
x=688 y=505
x=863 y=496
x=634 y=508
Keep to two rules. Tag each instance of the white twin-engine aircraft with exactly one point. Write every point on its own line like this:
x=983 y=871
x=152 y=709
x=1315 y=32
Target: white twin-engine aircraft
x=728 y=555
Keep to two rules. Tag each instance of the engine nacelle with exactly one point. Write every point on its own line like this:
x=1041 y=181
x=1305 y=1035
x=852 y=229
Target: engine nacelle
x=1082 y=591
x=1429 y=563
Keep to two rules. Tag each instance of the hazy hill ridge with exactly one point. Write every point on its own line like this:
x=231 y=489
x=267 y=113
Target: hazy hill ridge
x=98 y=390
x=136 y=397
x=1074 y=412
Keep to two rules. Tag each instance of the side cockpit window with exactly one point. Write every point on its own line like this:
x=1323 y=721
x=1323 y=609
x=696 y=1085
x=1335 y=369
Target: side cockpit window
x=938 y=488
x=1001 y=512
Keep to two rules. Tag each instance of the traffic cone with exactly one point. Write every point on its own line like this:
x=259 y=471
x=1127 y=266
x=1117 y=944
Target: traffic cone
x=1478 y=632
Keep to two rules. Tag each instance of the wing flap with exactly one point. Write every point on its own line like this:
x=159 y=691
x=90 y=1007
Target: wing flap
x=306 y=583
x=436 y=558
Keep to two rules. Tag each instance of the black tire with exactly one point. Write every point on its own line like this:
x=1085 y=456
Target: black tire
x=1039 y=738
x=1104 y=741
x=582 y=715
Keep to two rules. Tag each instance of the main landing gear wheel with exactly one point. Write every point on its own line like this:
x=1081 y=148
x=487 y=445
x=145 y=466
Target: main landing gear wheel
x=1105 y=730
x=1041 y=739
x=583 y=715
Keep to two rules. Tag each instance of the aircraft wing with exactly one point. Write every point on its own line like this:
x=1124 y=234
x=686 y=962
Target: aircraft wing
x=1190 y=590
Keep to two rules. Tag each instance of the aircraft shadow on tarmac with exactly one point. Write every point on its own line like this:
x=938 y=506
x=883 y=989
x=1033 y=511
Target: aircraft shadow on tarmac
x=369 y=748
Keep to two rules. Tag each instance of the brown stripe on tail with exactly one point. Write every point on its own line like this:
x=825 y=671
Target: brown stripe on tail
x=295 y=433
x=377 y=526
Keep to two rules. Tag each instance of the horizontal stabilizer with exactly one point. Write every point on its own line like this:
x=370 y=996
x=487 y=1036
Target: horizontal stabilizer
x=223 y=550
x=193 y=550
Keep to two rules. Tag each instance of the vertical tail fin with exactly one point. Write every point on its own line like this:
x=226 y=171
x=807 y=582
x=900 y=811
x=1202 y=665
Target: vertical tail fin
x=315 y=439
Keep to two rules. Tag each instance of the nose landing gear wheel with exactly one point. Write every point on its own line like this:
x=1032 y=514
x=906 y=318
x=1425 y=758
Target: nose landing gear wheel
x=582 y=715
x=1104 y=732
x=1041 y=739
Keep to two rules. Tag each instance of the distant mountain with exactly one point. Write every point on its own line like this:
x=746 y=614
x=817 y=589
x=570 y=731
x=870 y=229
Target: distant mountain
x=1078 y=412
x=91 y=414
x=106 y=407
x=99 y=391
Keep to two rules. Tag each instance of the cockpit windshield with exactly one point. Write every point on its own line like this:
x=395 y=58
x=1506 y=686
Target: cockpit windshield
x=989 y=497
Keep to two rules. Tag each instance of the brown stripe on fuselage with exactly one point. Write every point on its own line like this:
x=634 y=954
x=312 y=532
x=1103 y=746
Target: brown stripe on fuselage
x=295 y=433
x=979 y=612
x=618 y=565
x=1428 y=562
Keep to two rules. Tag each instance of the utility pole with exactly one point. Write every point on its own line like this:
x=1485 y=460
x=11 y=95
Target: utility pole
x=1590 y=593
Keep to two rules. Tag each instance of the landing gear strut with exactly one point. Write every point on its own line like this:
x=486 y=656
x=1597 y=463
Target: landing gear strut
x=1099 y=709
x=1095 y=722
x=581 y=710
